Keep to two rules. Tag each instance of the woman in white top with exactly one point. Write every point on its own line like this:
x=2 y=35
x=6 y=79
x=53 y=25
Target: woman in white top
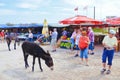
x=109 y=43
x=78 y=34
x=72 y=39
x=30 y=36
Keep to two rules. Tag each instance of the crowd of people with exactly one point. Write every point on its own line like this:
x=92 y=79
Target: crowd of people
x=83 y=40
x=2 y=36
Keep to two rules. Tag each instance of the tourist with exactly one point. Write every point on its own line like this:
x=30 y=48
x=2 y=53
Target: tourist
x=77 y=41
x=109 y=42
x=30 y=36
x=64 y=34
x=2 y=35
x=91 y=37
x=54 y=36
x=83 y=45
x=72 y=39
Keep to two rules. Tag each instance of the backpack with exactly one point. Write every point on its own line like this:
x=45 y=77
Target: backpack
x=83 y=42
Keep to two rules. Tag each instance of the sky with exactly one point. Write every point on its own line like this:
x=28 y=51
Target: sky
x=35 y=11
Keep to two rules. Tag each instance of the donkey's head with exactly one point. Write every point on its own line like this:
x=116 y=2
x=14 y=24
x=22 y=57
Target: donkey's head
x=49 y=61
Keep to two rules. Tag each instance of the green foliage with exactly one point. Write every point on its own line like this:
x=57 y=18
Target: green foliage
x=65 y=45
x=100 y=30
x=97 y=29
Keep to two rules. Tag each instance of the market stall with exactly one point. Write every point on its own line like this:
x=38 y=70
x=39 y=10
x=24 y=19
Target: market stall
x=77 y=21
x=80 y=20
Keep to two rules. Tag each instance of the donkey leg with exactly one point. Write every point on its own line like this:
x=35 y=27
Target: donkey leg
x=33 y=63
x=15 y=45
x=26 y=62
x=25 y=58
x=40 y=64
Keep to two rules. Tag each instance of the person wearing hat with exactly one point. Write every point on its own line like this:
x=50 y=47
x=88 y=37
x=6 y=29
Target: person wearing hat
x=109 y=42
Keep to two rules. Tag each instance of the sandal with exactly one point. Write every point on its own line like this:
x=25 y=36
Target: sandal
x=108 y=72
x=103 y=70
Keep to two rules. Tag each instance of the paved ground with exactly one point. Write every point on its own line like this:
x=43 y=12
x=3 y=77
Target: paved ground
x=66 y=67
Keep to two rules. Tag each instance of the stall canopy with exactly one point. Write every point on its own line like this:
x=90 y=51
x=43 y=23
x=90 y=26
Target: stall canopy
x=57 y=25
x=80 y=20
x=4 y=26
x=113 y=21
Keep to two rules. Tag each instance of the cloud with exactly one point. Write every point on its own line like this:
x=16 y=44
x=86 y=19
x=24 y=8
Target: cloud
x=32 y=4
x=79 y=2
x=7 y=12
x=68 y=9
x=27 y=6
x=103 y=7
x=2 y=4
x=31 y=1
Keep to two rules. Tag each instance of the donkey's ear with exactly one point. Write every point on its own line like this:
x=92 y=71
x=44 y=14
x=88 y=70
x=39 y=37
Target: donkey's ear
x=48 y=53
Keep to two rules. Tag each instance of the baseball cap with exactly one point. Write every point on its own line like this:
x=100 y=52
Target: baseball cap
x=112 y=32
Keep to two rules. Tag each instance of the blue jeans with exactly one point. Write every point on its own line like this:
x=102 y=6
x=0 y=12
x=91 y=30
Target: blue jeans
x=77 y=48
x=84 y=53
x=30 y=39
x=72 y=42
x=107 y=54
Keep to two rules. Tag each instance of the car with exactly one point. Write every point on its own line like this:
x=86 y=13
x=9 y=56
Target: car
x=23 y=36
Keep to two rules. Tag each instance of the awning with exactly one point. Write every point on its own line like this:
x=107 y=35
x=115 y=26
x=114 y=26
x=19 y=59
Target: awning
x=80 y=20
x=113 y=21
x=57 y=25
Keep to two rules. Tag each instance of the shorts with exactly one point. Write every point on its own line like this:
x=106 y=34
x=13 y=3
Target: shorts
x=53 y=42
x=72 y=42
x=84 y=53
x=91 y=46
x=77 y=48
x=107 y=54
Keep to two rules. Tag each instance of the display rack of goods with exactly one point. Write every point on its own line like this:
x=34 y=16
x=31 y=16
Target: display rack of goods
x=65 y=44
x=63 y=37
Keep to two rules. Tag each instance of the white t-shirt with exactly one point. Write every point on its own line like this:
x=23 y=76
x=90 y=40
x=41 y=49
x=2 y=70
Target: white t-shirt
x=30 y=35
x=77 y=39
x=73 y=35
x=110 y=42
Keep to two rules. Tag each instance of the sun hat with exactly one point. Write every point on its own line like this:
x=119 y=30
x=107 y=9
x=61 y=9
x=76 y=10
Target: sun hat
x=112 y=32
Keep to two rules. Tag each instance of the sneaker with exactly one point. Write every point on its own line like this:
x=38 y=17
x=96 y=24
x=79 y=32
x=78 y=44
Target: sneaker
x=108 y=72
x=76 y=55
x=86 y=65
x=103 y=70
x=92 y=53
x=53 y=50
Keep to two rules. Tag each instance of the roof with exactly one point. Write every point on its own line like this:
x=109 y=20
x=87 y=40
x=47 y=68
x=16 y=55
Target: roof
x=21 y=26
x=57 y=25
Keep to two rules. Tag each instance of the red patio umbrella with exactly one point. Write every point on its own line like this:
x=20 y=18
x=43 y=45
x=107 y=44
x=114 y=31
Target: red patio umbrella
x=80 y=20
x=113 y=21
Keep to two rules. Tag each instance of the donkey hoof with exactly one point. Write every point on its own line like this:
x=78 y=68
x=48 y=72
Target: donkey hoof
x=32 y=70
